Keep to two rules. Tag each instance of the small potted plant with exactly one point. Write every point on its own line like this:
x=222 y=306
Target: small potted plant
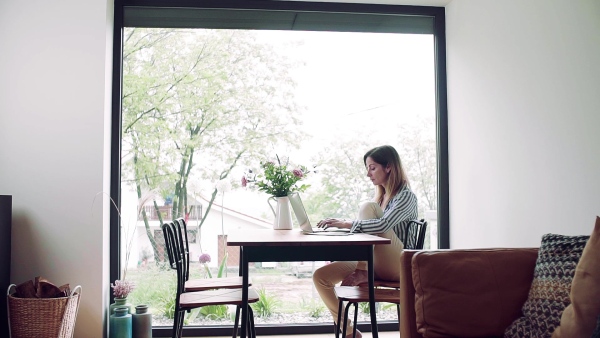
x=121 y=290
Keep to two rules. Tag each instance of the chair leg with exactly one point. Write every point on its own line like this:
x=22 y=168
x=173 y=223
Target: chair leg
x=248 y=327
x=346 y=319
x=236 y=322
x=251 y=321
x=181 y=321
x=175 y=324
x=355 y=320
x=339 y=320
x=177 y=321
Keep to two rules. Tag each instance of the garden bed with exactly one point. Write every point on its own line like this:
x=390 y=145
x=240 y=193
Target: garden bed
x=287 y=299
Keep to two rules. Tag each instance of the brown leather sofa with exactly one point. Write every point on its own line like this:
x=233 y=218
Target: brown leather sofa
x=463 y=293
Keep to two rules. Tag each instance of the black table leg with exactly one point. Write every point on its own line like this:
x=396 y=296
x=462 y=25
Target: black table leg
x=244 y=265
x=371 y=271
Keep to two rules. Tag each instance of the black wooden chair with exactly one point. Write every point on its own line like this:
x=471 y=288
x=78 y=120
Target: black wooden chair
x=385 y=291
x=186 y=301
x=200 y=284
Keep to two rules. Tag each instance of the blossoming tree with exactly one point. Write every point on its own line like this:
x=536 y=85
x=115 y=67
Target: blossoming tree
x=210 y=97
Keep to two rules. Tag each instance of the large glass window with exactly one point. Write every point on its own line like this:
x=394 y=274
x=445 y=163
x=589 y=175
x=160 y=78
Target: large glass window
x=203 y=107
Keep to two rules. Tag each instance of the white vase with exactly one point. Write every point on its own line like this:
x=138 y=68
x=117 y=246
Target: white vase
x=283 y=216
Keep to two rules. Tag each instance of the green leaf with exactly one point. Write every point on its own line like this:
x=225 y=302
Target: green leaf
x=208 y=271
x=223 y=265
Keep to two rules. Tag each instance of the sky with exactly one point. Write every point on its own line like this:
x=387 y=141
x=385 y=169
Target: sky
x=352 y=82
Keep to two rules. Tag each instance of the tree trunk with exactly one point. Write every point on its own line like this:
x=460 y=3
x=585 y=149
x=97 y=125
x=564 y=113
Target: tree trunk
x=147 y=226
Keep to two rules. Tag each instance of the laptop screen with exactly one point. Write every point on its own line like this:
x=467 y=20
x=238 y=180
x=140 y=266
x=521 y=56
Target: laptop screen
x=300 y=212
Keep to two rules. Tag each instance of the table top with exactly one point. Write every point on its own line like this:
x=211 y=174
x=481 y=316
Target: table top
x=295 y=237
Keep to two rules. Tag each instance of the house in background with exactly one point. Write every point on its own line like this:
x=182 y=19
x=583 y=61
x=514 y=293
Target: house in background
x=219 y=221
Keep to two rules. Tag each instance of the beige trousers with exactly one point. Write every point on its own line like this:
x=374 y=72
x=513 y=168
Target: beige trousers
x=386 y=261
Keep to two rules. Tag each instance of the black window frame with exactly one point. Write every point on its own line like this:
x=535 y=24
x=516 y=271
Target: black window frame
x=437 y=14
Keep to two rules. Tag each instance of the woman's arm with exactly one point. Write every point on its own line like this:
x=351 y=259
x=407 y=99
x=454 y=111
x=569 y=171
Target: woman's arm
x=403 y=207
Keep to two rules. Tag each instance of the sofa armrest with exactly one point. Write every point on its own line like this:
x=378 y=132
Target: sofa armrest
x=464 y=293
x=408 y=318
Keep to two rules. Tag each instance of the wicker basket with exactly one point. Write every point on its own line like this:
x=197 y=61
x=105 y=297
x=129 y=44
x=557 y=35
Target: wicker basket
x=42 y=317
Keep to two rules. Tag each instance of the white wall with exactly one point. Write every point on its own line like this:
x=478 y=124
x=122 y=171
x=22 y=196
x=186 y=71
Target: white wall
x=524 y=120
x=54 y=104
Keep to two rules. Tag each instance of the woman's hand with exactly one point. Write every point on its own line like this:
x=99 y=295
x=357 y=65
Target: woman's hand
x=335 y=222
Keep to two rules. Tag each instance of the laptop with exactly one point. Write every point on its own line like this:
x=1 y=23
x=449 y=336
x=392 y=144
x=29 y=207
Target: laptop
x=304 y=222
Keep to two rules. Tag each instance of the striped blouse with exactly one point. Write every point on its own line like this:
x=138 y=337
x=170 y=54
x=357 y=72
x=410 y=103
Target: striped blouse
x=398 y=213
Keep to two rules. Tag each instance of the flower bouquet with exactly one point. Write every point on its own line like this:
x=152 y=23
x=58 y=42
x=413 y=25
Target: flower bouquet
x=122 y=288
x=277 y=179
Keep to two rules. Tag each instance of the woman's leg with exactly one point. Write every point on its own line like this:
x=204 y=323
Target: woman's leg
x=368 y=210
x=386 y=258
x=325 y=278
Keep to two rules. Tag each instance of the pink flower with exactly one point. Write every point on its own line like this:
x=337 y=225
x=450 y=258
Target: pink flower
x=204 y=258
x=298 y=173
x=244 y=181
x=122 y=288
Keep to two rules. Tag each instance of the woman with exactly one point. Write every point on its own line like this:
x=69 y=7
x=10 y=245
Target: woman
x=387 y=216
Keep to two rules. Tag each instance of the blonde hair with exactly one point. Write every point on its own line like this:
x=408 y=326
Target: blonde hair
x=388 y=157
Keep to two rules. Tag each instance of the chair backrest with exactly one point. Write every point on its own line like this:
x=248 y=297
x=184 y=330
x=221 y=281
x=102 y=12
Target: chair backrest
x=168 y=248
x=415 y=235
x=176 y=253
x=181 y=228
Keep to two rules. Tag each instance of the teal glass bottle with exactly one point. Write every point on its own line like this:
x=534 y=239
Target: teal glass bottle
x=120 y=302
x=142 y=322
x=120 y=325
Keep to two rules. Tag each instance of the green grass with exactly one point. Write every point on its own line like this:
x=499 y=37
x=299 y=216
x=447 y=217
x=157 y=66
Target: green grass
x=154 y=287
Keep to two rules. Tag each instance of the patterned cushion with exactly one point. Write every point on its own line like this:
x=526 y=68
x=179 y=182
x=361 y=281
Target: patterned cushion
x=581 y=316
x=549 y=292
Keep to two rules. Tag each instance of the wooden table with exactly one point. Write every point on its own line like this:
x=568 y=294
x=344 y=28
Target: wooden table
x=293 y=246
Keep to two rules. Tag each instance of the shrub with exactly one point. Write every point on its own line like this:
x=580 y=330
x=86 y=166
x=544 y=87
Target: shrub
x=365 y=308
x=167 y=303
x=314 y=307
x=215 y=312
x=266 y=305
